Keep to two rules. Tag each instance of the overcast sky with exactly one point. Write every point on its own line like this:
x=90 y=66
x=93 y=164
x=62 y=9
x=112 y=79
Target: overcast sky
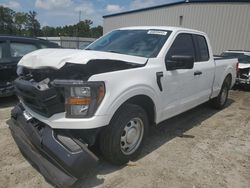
x=66 y=12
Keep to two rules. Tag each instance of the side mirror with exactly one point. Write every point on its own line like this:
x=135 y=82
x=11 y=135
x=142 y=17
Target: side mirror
x=179 y=62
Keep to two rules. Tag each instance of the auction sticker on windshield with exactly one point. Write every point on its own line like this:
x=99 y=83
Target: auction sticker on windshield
x=155 y=32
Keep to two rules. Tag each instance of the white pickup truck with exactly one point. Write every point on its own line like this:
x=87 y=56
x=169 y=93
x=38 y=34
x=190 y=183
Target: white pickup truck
x=110 y=93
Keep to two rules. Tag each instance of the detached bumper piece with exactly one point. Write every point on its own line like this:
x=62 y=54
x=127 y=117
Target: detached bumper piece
x=59 y=157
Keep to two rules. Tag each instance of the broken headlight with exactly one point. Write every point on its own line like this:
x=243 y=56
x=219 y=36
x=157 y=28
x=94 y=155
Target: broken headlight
x=81 y=98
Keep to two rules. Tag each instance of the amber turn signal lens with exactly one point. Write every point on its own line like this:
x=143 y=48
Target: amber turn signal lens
x=78 y=101
x=101 y=93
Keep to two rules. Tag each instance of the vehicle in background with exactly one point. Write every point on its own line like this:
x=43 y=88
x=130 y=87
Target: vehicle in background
x=243 y=76
x=12 y=49
x=110 y=93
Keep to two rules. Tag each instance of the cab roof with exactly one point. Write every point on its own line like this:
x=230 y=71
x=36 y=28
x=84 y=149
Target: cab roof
x=167 y=28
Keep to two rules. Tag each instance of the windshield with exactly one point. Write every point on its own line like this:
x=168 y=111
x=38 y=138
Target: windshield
x=143 y=43
x=241 y=56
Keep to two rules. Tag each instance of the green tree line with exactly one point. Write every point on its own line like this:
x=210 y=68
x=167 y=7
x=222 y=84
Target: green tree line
x=26 y=24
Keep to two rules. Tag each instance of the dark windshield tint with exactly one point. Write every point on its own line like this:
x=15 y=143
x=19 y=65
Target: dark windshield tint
x=144 y=43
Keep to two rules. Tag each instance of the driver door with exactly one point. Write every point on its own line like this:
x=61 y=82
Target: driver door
x=179 y=86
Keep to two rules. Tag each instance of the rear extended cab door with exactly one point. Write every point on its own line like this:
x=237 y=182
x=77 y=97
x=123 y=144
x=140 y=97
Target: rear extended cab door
x=204 y=68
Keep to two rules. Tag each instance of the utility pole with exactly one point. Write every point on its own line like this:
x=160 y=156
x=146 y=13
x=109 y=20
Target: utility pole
x=78 y=42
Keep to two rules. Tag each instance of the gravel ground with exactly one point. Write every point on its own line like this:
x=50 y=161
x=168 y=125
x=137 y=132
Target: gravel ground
x=200 y=148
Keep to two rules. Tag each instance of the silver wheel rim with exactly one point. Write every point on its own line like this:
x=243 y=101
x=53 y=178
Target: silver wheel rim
x=223 y=95
x=132 y=136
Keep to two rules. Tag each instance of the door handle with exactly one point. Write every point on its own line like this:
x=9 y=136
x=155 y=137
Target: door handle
x=197 y=73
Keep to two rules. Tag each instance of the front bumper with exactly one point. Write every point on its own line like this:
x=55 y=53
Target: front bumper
x=60 y=158
x=6 y=89
x=59 y=121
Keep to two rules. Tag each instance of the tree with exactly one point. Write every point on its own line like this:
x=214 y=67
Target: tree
x=48 y=31
x=96 y=32
x=20 y=20
x=33 y=26
x=6 y=21
x=21 y=23
x=83 y=28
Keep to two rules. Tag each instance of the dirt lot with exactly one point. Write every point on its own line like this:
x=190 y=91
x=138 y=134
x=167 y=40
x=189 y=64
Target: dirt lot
x=200 y=148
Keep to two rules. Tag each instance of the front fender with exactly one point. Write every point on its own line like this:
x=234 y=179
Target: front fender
x=123 y=85
x=127 y=94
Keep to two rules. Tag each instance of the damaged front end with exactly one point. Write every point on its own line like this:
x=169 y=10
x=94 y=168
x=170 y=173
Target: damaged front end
x=61 y=155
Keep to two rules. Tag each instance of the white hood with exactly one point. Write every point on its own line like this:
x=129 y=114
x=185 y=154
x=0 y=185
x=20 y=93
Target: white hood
x=244 y=65
x=56 y=58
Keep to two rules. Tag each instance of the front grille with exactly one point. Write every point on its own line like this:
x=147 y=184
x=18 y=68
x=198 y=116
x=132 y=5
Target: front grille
x=44 y=102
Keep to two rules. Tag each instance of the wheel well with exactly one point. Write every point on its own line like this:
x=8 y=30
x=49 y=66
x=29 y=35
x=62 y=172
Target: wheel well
x=147 y=104
x=229 y=79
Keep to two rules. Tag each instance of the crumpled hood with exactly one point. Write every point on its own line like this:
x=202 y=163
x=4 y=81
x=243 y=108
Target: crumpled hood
x=244 y=65
x=57 y=58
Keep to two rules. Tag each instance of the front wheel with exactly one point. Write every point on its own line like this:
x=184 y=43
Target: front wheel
x=220 y=101
x=121 y=141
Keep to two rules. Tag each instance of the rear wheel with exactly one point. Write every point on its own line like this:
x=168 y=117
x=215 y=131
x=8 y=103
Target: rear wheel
x=122 y=139
x=220 y=101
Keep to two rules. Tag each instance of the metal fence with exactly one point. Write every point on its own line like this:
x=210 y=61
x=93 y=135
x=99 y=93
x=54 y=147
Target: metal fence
x=70 y=42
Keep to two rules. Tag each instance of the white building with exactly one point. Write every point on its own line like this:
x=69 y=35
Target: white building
x=227 y=22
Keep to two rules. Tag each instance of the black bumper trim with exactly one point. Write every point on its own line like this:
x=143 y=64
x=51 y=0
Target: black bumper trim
x=38 y=144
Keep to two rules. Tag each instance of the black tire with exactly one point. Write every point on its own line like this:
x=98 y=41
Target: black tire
x=111 y=135
x=220 y=101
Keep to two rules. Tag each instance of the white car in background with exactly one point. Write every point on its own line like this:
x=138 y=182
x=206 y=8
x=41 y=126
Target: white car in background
x=243 y=76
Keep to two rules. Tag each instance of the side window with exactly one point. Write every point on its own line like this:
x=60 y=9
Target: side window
x=18 y=49
x=202 y=48
x=183 y=45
